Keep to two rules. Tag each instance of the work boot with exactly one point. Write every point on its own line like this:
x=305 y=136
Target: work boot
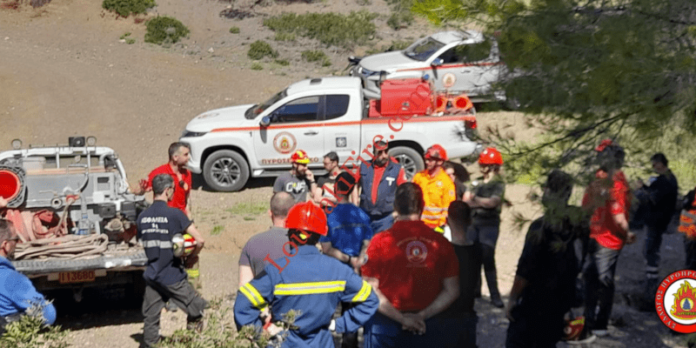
x=195 y=325
x=492 y=280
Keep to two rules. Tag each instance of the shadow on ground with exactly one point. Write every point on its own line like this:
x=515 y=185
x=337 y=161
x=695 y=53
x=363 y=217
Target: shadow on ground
x=98 y=307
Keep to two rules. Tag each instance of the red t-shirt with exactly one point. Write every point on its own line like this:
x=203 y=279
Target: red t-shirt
x=618 y=201
x=379 y=171
x=181 y=194
x=410 y=260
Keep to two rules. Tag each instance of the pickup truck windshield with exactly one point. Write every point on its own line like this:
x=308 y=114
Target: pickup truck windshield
x=421 y=50
x=259 y=108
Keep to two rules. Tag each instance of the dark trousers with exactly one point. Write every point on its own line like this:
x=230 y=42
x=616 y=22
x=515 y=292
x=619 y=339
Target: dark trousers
x=487 y=238
x=489 y=269
x=599 y=284
x=382 y=332
x=156 y=295
x=534 y=330
x=350 y=339
x=690 y=249
x=651 y=251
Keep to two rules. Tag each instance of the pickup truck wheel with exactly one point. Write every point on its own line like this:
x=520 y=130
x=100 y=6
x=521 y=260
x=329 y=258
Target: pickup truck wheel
x=226 y=170
x=410 y=160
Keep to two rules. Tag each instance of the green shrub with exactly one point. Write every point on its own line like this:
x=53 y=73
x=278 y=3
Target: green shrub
x=125 y=7
x=313 y=56
x=329 y=28
x=30 y=331
x=399 y=20
x=316 y=56
x=124 y=36
x=165 y=30
x=130 y=41
x=234 y=30
x=283 y=62
x=284 y=37
x=256 y=66
x=260 y=49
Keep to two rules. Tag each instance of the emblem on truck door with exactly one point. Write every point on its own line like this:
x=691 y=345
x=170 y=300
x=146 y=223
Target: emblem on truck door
x=284 y=142
x=341 y=142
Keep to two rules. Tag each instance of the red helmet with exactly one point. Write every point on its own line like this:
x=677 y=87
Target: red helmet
x=300 y=156
x=437 y=152
x=491 y=156
x=307 y=217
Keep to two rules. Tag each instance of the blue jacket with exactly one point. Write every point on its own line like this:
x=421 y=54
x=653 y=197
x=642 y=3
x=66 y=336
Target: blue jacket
x=312 y=284
x=17 y=293
x=386 y=190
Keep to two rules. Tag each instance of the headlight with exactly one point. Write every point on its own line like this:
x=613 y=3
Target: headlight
x=187 y=134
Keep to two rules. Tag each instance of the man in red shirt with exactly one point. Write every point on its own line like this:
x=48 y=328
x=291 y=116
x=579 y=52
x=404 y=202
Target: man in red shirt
x=179 y=154
x=415 y=273
x=608 y=198
x=379 y=180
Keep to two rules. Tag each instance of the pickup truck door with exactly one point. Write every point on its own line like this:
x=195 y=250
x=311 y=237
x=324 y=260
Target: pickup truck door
x=478 y=68
x=295 y=125
x=342 y=125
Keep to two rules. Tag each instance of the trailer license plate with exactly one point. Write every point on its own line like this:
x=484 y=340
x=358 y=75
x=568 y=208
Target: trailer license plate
x=76 y=277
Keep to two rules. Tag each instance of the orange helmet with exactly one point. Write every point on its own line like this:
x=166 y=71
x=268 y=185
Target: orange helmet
x=491 y=156
x=437 y=152
x=307 y=217
x=300 y=156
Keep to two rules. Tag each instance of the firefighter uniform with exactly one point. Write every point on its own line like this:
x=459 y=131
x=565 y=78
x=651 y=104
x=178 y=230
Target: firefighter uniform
x=312 y=284
x=438 y=193
x=380 y=208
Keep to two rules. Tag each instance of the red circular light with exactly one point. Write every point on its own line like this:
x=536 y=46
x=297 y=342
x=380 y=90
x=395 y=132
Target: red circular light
x=9 y=184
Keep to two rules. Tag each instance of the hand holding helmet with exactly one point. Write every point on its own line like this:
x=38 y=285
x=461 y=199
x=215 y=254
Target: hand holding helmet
x=183 y=245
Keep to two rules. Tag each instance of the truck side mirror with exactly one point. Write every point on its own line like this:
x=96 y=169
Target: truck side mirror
x=265 y=121
x=437 y=62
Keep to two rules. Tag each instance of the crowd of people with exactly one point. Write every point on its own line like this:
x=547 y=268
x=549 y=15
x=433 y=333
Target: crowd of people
x=401 y=258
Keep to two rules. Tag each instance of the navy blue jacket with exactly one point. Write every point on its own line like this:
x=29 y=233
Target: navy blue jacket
x=385 y=191
x=312 y=284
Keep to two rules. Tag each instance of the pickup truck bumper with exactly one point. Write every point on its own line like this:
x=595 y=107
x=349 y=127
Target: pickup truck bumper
x=136 y=259
x=464 y=149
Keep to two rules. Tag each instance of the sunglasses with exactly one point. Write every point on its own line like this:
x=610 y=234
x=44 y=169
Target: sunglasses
x=13 y=239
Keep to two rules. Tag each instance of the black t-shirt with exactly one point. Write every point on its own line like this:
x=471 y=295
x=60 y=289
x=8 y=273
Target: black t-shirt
x=469 y=258
x=327 y=180
x=548 y=262
x=156 y=227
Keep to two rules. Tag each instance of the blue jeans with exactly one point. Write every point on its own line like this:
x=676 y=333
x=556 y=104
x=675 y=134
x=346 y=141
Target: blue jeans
x=381 y=223
x=599 y=284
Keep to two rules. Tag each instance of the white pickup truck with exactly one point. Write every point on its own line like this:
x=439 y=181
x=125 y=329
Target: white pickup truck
x=231 y=144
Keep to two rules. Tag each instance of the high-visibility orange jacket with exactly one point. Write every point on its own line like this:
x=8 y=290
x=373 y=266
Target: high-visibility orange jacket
x=687 y=220
x=438 y=193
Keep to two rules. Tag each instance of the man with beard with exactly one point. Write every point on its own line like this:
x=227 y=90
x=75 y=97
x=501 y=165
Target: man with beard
x=179 y=154
x=379 y=180
x=299 y=181
x=17 y=294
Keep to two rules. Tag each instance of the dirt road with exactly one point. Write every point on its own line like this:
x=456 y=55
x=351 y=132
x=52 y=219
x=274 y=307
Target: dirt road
x=63 y=72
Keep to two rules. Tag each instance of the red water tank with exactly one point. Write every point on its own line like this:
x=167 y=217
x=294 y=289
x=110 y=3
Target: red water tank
x=10 y=184
x=405 y=97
